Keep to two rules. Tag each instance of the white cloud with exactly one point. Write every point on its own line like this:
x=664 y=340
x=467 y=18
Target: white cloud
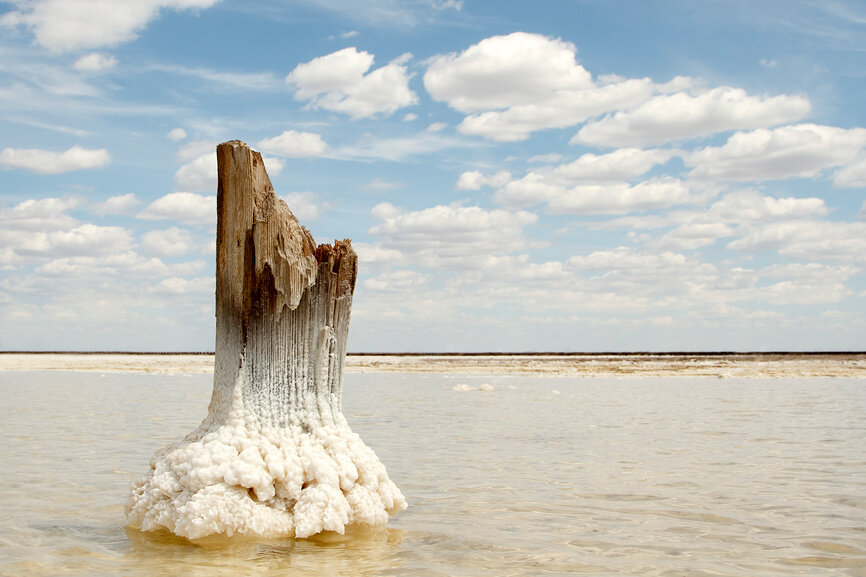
x=446 y=4
x=120 y=204
x=66 y=25
x=397 y=281
x=619 y=198
x=808 y=240
x=436 y=126
x=375 y=253
x=85 y=239
x=692 y=235
x=410 y=116
x=475 y=180
x=185 y=207
x=505 y=71
x=516 y=84
x=294 y=144
x=451 y=236
x=751 y=206
x=95 y=62
x=598 y=184
x=768 y=62
x=622 y=164
x=398 y=149
x=48 y=162
x=852 y=176
x=172 y=241
x=680 y=116
x=193 y=149
x=548 y=158
x=789 y=151
x=182 y=286
x=303 y=205
x=35 y=229
x=340 y=82
x=199 y=174
x=176 y=134
x=273 y=165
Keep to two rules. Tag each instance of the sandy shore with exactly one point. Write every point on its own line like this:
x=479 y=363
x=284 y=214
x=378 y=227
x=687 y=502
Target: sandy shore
x=751 y=365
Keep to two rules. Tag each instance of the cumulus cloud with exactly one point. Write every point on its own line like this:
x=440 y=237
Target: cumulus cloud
x=303 y=205
x=809 y=240
x=398 y=281
x=786 y=152
x=475 y=180
x=342 y=82
x=182 y=286
x=451 y=236
x=375 y=253
x=852 y=176
x=516 y=84
x=680 y=116
x=176 y=134
x=95 y=62
x=294 y=144
x=620 y=198
x=184 y=207
x=199 y=174
x=49 y=162
x=400 y=148
x=66 y=25
x=35 y=229
x=598 y=184
x=734 y=215
x=120 y=204
x=692 y=235
x=751 y=206
x=172 y=241
x=85 y=239
x=622 y=164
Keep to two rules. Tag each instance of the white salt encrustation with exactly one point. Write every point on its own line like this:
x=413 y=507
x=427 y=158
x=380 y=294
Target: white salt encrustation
x=275 y=455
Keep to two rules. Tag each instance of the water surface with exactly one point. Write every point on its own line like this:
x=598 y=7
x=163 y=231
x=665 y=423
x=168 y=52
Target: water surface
x=540 y=476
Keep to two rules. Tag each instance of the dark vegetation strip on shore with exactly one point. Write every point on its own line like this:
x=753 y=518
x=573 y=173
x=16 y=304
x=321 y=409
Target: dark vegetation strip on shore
x=490 y=354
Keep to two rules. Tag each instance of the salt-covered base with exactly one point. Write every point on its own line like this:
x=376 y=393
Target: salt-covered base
x=240 y=478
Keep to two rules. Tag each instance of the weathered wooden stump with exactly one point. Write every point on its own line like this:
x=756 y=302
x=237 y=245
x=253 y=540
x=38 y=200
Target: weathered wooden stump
x=274 y=456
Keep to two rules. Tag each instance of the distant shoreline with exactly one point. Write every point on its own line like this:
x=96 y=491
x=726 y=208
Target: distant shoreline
x=786 y=364
x=485 y=354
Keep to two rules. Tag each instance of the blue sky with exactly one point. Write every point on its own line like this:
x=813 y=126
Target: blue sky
x=563 y=176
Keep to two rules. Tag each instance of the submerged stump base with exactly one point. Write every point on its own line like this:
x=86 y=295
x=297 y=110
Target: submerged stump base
x=275 y=455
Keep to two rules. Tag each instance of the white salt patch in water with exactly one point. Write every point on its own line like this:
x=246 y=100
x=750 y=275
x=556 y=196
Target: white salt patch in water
x=485 y=387
x=462 y=388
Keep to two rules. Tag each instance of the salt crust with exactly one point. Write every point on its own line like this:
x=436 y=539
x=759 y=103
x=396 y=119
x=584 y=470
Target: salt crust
x=242 y=478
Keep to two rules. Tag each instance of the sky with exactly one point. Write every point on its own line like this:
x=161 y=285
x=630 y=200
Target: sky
x=584 y=175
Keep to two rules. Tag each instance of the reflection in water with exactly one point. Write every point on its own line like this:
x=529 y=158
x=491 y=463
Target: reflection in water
x=360 y=552
x=650 y=477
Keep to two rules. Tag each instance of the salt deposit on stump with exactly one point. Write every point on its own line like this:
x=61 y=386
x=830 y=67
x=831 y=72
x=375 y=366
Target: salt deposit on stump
x=274 y=456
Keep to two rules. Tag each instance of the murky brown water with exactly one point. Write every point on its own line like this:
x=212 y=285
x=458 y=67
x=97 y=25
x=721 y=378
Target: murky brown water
x=555 y=476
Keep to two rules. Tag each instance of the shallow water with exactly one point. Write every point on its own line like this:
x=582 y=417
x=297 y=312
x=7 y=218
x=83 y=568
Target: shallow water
x=553 y=476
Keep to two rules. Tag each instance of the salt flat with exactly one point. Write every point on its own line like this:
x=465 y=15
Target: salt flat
x=722 y=365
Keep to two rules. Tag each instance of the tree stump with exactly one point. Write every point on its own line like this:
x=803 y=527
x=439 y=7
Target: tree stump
x=275 y=455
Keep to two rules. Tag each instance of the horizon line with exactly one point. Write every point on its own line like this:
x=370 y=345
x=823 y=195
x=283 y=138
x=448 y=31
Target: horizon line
x=470 y=353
